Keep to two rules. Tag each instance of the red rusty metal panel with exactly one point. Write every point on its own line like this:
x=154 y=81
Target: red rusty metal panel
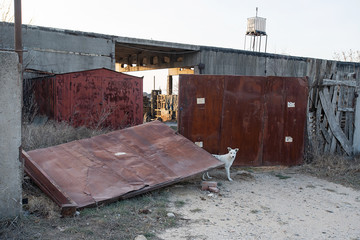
x=274 y=123
x=285 y=121
x=254 y=116
x=116 y=165
x=242 y=118
x=295 y=119
x=86 y=99
x=43 y=90
x=200 y=109
x=93 y=98
x=62 y=99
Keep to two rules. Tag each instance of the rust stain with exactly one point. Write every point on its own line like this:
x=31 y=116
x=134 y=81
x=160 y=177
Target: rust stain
x=116 y=165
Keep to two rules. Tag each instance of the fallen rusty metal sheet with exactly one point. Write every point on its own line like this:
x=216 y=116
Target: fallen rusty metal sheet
x=116 y=165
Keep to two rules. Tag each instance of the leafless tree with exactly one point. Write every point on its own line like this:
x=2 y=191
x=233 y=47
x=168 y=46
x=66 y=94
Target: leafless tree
x=6 y=11
x=347 y=56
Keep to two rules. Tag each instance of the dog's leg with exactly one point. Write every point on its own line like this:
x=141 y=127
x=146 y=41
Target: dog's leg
x=228 y=173
x=206 y=176
x=203 y=177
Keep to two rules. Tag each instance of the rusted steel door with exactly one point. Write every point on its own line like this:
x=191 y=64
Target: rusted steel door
x=92 y=98
x=201 y=109
x=264 y=117
x=242 y=118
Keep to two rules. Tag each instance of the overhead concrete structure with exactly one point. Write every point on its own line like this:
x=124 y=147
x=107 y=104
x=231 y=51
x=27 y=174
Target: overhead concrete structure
x=61 y=51
x=10 y=138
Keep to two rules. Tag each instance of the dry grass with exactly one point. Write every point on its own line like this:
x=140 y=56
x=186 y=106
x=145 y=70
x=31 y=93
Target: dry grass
x=124 y=219
x=53 y=133
x=41 y=219
x=340 y=169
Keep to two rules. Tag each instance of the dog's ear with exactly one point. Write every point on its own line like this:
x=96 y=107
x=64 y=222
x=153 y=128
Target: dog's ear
x=229 y=149
x=236 y=149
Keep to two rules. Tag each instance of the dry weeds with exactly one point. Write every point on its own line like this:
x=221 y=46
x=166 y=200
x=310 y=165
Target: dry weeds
x=124 y=219
x=41 y=219
x=53 y=133
x=339 y=169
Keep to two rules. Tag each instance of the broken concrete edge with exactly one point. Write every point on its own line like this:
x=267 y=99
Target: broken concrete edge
x=44 y=182
x=68 y=206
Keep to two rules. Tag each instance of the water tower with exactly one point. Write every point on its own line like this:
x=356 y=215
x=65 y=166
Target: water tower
x=256 y=29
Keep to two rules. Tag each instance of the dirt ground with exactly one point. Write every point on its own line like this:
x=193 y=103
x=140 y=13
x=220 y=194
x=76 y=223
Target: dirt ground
x=265 y=204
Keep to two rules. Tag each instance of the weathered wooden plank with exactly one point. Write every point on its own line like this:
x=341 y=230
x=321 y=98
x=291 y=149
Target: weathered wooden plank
x=350 y=125
x=356 y=137
x=325 y=133
x=345 y=109
x=311 y=125
x=334 y=99
x=318 y=118
x=330 y=82
x=350 y=115
x=335 y=128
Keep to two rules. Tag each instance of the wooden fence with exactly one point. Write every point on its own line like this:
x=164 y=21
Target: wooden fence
x=333 y=117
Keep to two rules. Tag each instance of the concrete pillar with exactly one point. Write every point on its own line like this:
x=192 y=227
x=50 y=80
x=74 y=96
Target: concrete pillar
x=10 y=136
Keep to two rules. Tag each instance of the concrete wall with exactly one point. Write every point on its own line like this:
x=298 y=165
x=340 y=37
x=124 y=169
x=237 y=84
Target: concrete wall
x=10 y=137
x=219 y=61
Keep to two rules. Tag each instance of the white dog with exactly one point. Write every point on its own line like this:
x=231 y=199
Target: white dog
x=228 y=159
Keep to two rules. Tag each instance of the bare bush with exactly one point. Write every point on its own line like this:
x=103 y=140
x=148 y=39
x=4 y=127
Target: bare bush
x=53 y=133
x=6 y=11
x=348 y=56
x=341 y=169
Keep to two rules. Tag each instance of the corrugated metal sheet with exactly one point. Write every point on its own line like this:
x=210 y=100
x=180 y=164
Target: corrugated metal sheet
x=93 y=98
x=116 y=165
x=265 y=117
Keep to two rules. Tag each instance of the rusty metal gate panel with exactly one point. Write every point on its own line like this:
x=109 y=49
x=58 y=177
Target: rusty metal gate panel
x=93 y=98
x=116 y=165
x=274 y=124
x=264 y=117
x=242 y=118
x=201 y=105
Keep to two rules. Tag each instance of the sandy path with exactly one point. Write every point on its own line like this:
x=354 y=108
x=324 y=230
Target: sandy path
x=261 y=205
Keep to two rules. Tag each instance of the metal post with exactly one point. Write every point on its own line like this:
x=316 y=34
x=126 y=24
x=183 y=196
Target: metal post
x=18 y=30
x=169 y=85
x=265 y=43
x=254 y=43
x=260 y=44
x=245 y=43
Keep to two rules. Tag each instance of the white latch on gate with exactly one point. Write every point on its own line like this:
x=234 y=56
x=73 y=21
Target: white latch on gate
x=288 y=139
x=291 y=104
x=200 y=100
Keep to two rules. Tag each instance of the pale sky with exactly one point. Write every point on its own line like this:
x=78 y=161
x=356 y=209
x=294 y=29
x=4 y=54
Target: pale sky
x=308 y=28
